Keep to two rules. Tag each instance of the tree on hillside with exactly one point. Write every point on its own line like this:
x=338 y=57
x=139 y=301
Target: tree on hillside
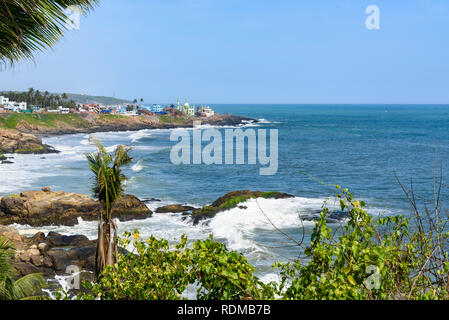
x=108 y=187
x=27 y=26
x=30 y=95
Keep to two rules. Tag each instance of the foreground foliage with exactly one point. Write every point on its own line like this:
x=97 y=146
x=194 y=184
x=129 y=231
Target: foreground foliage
x=381 y=258
x=27 y=26
x=155 y=271
x=11 y=287
x=370 y=259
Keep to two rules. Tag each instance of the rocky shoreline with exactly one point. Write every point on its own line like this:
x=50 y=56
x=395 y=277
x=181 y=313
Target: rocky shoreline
x=45 y=207
x=25 y=138
x=13 y=141
x=51 y=254
x=91 y=123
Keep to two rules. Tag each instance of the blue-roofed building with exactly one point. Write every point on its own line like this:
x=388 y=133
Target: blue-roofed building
x=154 y=108
x=122 y=110
x=157 y=108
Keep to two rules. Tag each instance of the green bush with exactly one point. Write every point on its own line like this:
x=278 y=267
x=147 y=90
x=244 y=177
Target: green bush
x=369 y=259
x=385 y=258
x=155 y=271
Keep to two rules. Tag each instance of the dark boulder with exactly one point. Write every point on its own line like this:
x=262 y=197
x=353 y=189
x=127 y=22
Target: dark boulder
x=12 y=206
x=55 y=239
x=174 y=208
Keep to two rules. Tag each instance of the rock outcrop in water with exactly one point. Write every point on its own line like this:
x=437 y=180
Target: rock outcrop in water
x=13 y=141
x=43 y=208
x=51 y=254
x=232 y=200
x=174 y=208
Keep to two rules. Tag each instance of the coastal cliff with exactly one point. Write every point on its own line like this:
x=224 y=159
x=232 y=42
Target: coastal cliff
x=13 y=141
x=56 y=124
x=19 y=133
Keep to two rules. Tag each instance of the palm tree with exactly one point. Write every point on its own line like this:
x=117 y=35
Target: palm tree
x=30 y=95
x=27 y=26
x=38 y=97
x=108 y=187
x=12 y=288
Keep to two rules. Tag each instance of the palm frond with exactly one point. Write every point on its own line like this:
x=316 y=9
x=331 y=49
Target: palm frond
x=108 y=178
x=10 y=287
x=28 y=285
x=6 y=256
x=27 y=26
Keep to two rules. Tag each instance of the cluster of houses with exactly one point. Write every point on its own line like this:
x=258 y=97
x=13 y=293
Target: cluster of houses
x=13 y=106
x=202 y=111
x=155 y=109
x=129 y=110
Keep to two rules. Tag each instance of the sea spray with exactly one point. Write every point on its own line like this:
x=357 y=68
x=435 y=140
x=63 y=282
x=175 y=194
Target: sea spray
x=138 y=166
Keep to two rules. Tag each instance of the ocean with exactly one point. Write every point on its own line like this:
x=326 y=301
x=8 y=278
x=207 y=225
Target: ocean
x=360 y=147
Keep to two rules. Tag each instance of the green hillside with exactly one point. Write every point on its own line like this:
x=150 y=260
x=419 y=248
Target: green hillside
x=88 y=99
x=10 y=121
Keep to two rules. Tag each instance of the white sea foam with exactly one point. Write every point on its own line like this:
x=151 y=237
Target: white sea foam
x=138 y=166
x=265 y=121
x=85 y=142
x=239 y=225
x=111 y=148
x=151 y=148
x=136 y=136
x=270 y=277
x=23 y=172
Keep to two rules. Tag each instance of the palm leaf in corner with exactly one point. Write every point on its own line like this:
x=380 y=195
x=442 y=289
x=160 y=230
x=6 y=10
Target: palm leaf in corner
x=28 y=26
x=12 y=288
x=24 y=288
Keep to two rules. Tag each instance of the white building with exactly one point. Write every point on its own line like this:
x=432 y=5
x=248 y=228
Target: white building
x=206 y=111
x=20 y=105
x=12 y=105
x=3 y=100
x=186 y=108
x=64 y=110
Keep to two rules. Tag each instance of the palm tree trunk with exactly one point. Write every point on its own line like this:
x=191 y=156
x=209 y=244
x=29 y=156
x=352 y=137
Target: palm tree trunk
x=106 y=245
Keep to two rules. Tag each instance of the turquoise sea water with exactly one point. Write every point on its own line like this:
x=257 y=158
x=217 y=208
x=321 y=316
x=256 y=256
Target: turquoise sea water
x=359 y=147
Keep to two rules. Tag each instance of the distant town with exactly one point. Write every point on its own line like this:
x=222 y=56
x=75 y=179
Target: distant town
x=35 y=102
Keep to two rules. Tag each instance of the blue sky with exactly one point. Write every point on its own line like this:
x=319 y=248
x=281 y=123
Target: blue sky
x=248 y=51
